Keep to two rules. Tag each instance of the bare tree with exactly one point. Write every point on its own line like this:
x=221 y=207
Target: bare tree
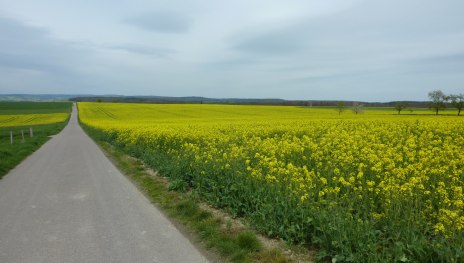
x=438 y=99
x=340 y=107
x=357 y=108
x=457 y=100
x=400 y=106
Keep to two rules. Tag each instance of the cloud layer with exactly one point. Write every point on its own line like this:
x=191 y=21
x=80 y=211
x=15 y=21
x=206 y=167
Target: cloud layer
x=351 y=49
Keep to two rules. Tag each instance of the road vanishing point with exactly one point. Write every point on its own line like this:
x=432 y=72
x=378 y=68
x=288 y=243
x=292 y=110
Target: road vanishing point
x=68 y=203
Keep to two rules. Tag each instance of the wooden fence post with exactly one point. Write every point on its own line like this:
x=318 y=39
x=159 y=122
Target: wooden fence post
x=11 y=137
x=22 y=134
x=31 y=132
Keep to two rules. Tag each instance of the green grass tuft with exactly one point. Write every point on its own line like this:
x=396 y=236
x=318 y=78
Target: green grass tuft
x=249 y=242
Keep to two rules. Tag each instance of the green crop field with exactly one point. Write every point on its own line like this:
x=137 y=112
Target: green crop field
x=17 y=119
x=7 y=108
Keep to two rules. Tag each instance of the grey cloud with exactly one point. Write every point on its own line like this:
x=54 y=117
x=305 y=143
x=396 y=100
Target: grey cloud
x=369 y=26
x=31 y=59
x=274 y=44
x=12 y=30
x=450 y=64
x=32 y=48
x=156 y=52
x=231 y=63
x=450 y=59
x=372 y=37
x=163 y=22
x=368 y=48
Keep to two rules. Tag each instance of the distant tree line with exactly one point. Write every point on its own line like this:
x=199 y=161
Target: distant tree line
x=439 y=101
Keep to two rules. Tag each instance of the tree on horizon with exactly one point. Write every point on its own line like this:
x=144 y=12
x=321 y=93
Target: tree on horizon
x=457 y=100
x=438 y=99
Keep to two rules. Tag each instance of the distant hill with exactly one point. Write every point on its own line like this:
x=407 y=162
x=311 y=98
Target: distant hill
x=196 y=100
x=38 y=97
x=270 y=101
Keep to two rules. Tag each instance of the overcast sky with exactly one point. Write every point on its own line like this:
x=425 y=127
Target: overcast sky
x=368 y=50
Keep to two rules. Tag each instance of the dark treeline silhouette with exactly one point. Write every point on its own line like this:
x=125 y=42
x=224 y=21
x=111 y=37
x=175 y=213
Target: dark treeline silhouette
x=234 y=101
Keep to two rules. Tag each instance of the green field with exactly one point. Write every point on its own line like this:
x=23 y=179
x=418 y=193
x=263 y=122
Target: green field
x=10 y=108
x=44 y=118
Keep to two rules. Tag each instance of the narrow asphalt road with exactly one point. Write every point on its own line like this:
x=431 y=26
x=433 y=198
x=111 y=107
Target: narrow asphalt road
x=68 y=203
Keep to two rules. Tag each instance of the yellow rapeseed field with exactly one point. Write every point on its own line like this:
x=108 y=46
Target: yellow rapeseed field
x=31 y=119
x=372 y=187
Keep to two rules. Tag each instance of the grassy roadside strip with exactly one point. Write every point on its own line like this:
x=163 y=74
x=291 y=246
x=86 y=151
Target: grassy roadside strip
x=233 y=241
x=12 y=154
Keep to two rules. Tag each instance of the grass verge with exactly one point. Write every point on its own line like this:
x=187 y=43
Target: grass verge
x=12 y=154
x=216 y=232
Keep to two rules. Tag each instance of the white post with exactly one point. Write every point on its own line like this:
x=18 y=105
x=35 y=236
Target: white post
x=22 y=134
x=11 y=137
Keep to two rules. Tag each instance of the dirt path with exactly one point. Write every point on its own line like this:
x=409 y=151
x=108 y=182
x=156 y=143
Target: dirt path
x=68 y=203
